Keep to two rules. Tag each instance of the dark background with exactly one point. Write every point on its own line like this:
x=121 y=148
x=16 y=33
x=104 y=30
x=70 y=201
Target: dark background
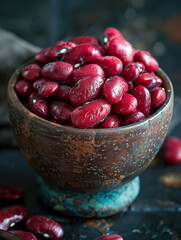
x=151 y=25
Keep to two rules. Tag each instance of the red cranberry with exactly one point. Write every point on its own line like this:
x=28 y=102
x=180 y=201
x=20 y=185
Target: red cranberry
x=158 y=97
x=23 y=88
x=87 y=70
x=172 y=150
x=48 y=88
x=120 y=48
x=81 y=54
x=111 y=32
x=90 y=113
x=39 y=106
x=112 y=121
x=148 y=80
x=31 y=72
x=86 y=89
x=61 y=111
x=133 y=117
x=44 y=226
x=24 y=235
x=57 y=71
x=114 y=88
x=132 y=71
x=110 y=237
x=150 y=63
x=38 y=83
x=127 y=105
x=143 y=96
x=41 y=57
x=63 y=93
x=112 y=66
x=11 y=193
x=86 y=39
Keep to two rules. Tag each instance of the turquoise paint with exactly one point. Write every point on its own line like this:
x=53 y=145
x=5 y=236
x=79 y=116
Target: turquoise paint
x=92 y=204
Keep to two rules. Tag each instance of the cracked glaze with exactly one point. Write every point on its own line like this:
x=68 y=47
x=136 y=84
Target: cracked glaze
x=86 y=160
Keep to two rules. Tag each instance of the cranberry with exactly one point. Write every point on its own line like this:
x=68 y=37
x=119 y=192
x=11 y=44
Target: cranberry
x=112 y=121
x=31 y=72
x=57 y=71
x=120 y=48
x=110 y=237
x=38 y=83
x=150 y=63
x=172 y=150
x=23 y=88
x=63 y=93
x=112 y=66
x=148 y=80
x=81 y=54
x=59 y=50
x=39 y=106
x=132 y=71
x=87 y=70
x=90 y=113
x=143 y=96
x=86 y=39
x=86 y=89
x=111 y=32
x=41 y=57
x=44 y=226
x=133 y=117
x=114 y=88
x=48 y=88
x=24 y=235
x=158 y=97
x=61 y=110
x=9 y=216
x=11 y=193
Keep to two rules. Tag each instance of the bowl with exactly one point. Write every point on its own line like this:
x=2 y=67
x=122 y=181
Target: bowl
x=88 y=172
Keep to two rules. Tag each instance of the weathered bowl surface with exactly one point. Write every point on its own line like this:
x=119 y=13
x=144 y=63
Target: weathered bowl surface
x=85 y=160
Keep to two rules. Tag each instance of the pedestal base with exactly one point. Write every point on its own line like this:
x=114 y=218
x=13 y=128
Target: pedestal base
x=92 y=204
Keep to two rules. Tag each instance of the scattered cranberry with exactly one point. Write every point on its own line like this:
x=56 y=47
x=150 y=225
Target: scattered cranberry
x=86 y=39
x=61 y=111
x=172 y=150
x=86 y=89
x=23 y=234
x=158 y=96
x=9 y=216
x=110 y=237
x=150 y=63
x=48 y=88
x=31 y=72
x=11 y=193
x=87 y=70
x=44 y=226
x=90 y=113
x=133 y=117
x=112 y=121
x=112 y=66
x=24 y=88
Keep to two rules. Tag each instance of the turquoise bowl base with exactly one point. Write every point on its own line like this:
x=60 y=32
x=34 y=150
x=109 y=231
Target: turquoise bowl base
x=91 y=204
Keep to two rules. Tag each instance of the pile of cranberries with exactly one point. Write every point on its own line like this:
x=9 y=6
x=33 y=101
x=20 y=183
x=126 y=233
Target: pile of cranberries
x=84 y=84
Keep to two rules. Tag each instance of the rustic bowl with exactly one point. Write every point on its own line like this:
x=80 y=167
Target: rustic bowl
x=88 y=172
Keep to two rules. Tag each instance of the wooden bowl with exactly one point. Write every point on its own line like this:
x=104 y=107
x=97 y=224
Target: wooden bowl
x=88 y=160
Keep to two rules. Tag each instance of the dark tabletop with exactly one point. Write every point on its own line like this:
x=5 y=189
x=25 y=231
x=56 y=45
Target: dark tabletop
x=151 y=25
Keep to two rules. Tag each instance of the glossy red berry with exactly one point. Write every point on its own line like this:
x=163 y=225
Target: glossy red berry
x=24 y=88
x=132 y=71
x=111 y=65
x=148 y=80
x=158 y=97
x=31 y=72
x=61 y=111
x=48 y=88
x=133 y=117
x=112 y=121
x=143 y=96
x=57 y=71
x=111 y=32
x=150 y=63
x=86 y=89
x=172 y=150
x=114 y=88
x=90 y=113
x=87 y=70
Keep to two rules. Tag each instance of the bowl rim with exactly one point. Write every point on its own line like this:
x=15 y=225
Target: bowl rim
x=39 y=120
